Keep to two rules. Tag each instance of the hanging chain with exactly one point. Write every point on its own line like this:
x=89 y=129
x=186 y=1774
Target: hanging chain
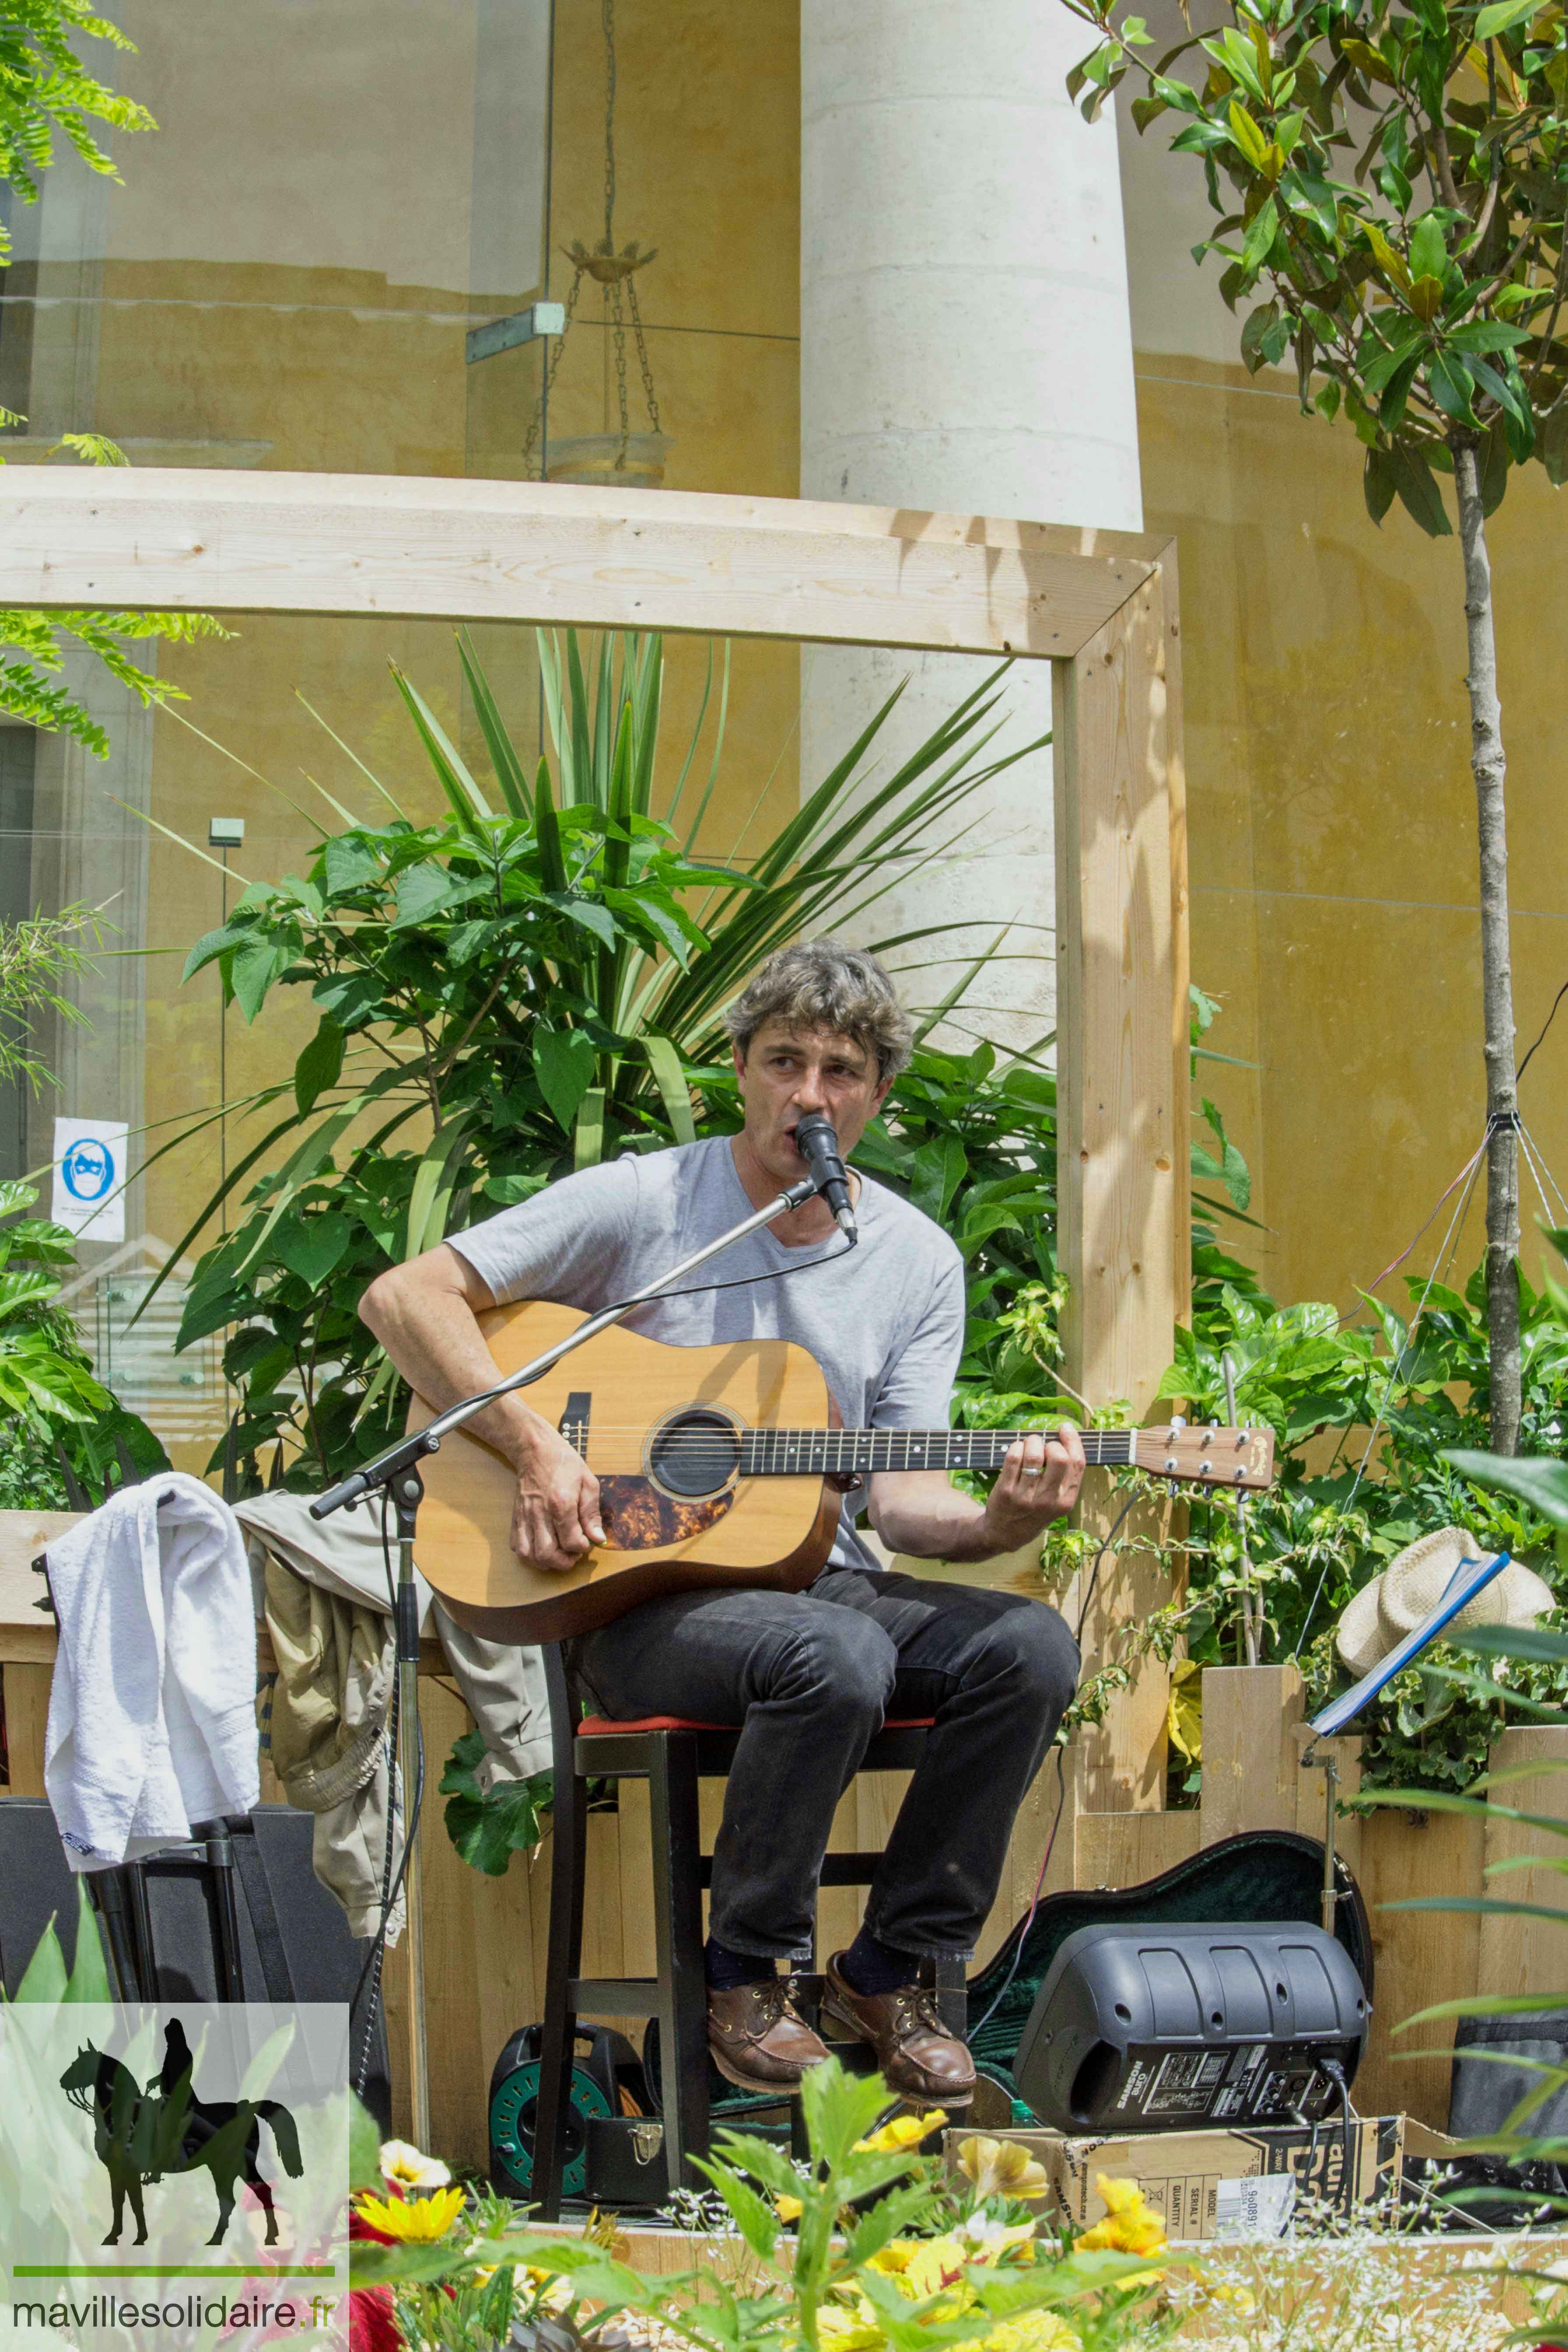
x=556 y=356
x=615 y=308
x=609 y=18
x=642 y=356
x=618 y=314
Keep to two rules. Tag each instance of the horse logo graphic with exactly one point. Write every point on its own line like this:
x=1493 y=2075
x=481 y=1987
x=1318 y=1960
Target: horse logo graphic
x=139 y=2135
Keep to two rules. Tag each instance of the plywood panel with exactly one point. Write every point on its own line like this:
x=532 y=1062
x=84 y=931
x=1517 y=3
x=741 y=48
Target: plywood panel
x=1521 y=1955
x=1419 y=1956
x=1126 y=1849
x=26 y=1689
x=459 y=2070
x=402 y=544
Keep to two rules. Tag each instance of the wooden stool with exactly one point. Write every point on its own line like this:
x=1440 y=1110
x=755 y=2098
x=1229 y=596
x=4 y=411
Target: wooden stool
x=672 y=1755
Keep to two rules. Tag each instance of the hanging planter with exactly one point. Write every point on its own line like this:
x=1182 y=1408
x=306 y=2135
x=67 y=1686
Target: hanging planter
x=634 y=460
x=617 y=455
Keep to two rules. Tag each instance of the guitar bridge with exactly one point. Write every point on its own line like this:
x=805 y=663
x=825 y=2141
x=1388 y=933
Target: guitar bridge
x=574 y=1421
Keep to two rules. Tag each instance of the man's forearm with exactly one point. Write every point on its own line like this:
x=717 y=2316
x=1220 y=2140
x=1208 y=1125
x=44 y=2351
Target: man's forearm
x=947 y=1525
x=430 y=1334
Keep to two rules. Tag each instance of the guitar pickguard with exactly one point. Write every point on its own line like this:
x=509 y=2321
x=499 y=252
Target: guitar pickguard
x=641 y=1516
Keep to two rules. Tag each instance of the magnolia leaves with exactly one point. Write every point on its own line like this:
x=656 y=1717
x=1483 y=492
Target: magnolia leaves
x=1405 y=474
x=1431 y=330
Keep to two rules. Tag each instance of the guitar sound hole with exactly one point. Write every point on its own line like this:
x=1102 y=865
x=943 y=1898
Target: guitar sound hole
x=695 y=1454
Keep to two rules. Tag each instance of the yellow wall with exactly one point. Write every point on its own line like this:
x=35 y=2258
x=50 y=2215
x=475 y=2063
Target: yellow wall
x=1332 y=832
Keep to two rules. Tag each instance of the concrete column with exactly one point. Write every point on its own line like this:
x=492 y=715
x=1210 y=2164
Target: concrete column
x=965 y=346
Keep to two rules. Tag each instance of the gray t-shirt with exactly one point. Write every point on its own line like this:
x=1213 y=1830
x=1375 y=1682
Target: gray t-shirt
x=885 y=1321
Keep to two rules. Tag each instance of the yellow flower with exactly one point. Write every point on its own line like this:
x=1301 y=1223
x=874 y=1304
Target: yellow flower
x=1000 y=2167
x=409 y=2169
x=419 y=2220
x=848 y=2330
x=901 y=2132
x=1129 y=2227
x=934 y=2263
x=788 y=2209
x=1033 y=2331
x=895 y=2256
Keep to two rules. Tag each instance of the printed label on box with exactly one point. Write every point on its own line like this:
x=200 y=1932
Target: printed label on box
x=1257 y=2206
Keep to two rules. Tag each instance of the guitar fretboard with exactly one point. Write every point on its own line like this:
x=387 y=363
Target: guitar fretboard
x=824 y=1453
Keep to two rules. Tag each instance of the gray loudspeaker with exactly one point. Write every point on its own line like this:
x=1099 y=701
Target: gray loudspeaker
x=1173 y=2027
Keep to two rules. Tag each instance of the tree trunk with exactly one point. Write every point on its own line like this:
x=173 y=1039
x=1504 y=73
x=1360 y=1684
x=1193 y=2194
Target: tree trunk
x=1497 y=975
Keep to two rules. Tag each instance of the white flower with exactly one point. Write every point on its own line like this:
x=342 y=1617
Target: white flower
x=404 y=2164
x=980 y=2230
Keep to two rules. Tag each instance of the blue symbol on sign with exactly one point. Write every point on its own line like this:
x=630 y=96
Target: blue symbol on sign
x=88 y=1168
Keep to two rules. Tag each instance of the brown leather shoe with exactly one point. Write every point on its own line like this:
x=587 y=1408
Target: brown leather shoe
x=759 y=2038
x=915 y=2052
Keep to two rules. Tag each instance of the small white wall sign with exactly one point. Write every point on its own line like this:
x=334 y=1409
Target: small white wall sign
x=92 y=1160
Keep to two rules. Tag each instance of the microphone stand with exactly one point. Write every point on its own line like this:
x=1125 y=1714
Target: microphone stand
x=396 y=1473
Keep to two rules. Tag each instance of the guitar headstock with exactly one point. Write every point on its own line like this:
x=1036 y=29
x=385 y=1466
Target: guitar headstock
x=1202 y=1453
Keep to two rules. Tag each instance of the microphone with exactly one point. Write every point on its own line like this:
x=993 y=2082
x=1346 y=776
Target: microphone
x=819 y=1147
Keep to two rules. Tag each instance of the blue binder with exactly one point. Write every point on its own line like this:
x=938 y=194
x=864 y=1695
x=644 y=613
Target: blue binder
x=1471 y=1576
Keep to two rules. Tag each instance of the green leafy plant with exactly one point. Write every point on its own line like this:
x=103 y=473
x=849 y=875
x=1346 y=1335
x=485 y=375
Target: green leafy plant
x=38 y=955
x=1324 y=1530
x=48 y=1397
x=829 y=2249
x=1392 y=184
x=531 y=982
x=46 y=1976
x=487 y=1826
x=47 y=88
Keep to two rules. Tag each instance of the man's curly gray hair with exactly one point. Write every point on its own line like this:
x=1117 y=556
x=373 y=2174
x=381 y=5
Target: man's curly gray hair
x=818 y=984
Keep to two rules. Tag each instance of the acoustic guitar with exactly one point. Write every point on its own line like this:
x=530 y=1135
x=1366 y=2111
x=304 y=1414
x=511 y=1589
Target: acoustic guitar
x=714 y=1467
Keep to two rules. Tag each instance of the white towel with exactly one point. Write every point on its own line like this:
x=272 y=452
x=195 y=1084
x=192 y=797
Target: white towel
x=152 y=1710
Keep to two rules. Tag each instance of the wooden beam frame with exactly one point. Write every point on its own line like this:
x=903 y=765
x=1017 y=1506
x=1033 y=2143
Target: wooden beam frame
x=1101 y=606
x=407 y=546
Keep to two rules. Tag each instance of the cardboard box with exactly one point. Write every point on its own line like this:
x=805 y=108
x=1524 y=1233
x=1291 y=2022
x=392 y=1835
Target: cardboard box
x=1215 y=2184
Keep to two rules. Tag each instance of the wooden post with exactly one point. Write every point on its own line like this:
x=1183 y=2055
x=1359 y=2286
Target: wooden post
x=1121 y=1097
x=1252 y=1765
x=1253 y=1741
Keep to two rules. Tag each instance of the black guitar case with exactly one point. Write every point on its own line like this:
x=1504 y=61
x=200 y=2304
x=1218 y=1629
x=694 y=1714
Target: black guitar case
x=1262 y=1877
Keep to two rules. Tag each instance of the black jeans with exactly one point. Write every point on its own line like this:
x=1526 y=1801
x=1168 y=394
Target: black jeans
x=809 y=1677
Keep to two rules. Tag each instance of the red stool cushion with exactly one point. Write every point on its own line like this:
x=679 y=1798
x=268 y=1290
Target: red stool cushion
x=596 y=1726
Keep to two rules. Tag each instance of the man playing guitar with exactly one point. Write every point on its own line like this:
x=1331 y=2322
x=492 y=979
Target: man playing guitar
x=808 y=1675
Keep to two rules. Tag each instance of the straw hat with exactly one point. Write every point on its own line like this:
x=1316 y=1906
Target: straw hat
x=1379 y=1617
